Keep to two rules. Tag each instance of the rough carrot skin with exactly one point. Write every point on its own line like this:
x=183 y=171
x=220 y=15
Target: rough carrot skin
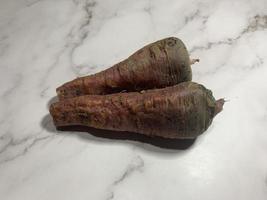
x=157 y=65
x=182 y=111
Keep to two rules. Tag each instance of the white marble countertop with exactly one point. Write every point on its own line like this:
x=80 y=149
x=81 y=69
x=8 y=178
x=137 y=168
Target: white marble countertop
x=44 y=43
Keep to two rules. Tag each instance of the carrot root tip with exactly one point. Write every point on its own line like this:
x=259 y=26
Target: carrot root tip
x=194 y=60
x=219 y=105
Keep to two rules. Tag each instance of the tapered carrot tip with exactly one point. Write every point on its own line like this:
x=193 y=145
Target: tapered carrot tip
x=70 y=89
x=219 y=105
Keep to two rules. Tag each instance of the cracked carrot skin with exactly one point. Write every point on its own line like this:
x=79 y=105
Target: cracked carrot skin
x=157 y=65
x=182 y=111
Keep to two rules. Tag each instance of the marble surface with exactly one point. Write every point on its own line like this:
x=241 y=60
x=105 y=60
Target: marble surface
x=44 y=43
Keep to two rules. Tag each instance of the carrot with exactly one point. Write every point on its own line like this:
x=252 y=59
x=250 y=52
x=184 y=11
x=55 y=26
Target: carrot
x=157 y=65
x=182 y=111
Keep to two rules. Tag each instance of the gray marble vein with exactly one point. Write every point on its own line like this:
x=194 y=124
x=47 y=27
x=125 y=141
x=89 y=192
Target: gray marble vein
x=136 y=164
x=82 y=31
x=256 y=23
x=12 y=143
